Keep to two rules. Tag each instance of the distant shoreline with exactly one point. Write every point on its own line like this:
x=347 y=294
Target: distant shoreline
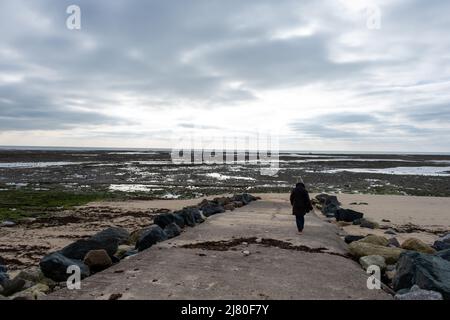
x=300 y=152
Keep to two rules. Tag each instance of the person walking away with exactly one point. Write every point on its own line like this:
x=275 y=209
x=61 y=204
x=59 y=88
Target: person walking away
x=301 y=204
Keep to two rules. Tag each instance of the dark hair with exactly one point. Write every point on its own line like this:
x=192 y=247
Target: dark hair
x=300 y=184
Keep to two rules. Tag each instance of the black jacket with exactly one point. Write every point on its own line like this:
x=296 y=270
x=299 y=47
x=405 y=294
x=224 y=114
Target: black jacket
x=301 y=204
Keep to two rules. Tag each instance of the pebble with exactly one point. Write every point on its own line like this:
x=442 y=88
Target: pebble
x=7 y=224
x=246 y=252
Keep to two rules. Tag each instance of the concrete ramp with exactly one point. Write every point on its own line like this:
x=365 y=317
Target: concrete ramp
x=250 y=253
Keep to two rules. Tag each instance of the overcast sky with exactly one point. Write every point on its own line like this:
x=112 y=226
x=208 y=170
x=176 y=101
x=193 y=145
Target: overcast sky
x=318 y=74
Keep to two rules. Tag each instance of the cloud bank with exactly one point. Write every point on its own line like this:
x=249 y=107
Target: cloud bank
x=141 y=73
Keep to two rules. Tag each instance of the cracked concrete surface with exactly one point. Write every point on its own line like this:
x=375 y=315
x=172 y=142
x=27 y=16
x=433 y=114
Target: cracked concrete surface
x=279 y=264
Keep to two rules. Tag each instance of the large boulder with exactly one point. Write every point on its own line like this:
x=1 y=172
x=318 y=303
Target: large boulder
x=97 y=260
x=368 y=261
x=360 y=249
x=429 y=272
x=418 y=294
x=172 y=230
x=379 y=240
x=150 y=236
x=348 y=215
x=417 y=245
x=54 y=266
x=108 y=239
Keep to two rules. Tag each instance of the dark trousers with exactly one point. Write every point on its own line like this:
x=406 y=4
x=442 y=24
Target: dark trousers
x=300 y=220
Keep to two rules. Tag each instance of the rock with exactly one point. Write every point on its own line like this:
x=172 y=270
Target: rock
x=390 y=274
x=179 y=220
x=34 y=293
x=393 y=242
x=3 y=277
x=418 y=294
x=373 y=239
x=390 y=231
x=429 y=272
x=150 y=236
x=97 y=260
x=330 y=210
x=211 y=209
x=417 y=245
x=7 y=224
x=246 y=253
x=108 y=239
x=164 y=220
x=32 y=274
x=444 y=254
x=326 y=199
x=229 y=206
x=198 y=215
x=134 y=237
x=245 y=198
x=238 y=204
x=357 y=222
x=350 y=238
x=348 y=215
x=54 y=266
x=122 y=250
x=360 y=249
x=222 y=201
x=188 y=216
x=365 y=223
x=367 y=261
x=329 y=205
x=172 y=230
x=442 y=243
x=12 y=286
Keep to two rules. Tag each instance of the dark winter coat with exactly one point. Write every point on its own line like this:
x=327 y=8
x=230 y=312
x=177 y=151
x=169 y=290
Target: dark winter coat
x=301 y=204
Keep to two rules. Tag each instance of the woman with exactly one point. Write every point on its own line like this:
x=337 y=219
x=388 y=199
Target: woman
x=301 y=204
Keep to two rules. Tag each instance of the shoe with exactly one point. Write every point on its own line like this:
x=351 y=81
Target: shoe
x=300 y=232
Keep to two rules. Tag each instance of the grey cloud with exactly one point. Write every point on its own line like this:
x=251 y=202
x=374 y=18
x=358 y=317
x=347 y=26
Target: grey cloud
x=215 y=53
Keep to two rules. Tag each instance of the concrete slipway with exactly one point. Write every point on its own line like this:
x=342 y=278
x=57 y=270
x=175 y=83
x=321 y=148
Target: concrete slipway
x=213 y=264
